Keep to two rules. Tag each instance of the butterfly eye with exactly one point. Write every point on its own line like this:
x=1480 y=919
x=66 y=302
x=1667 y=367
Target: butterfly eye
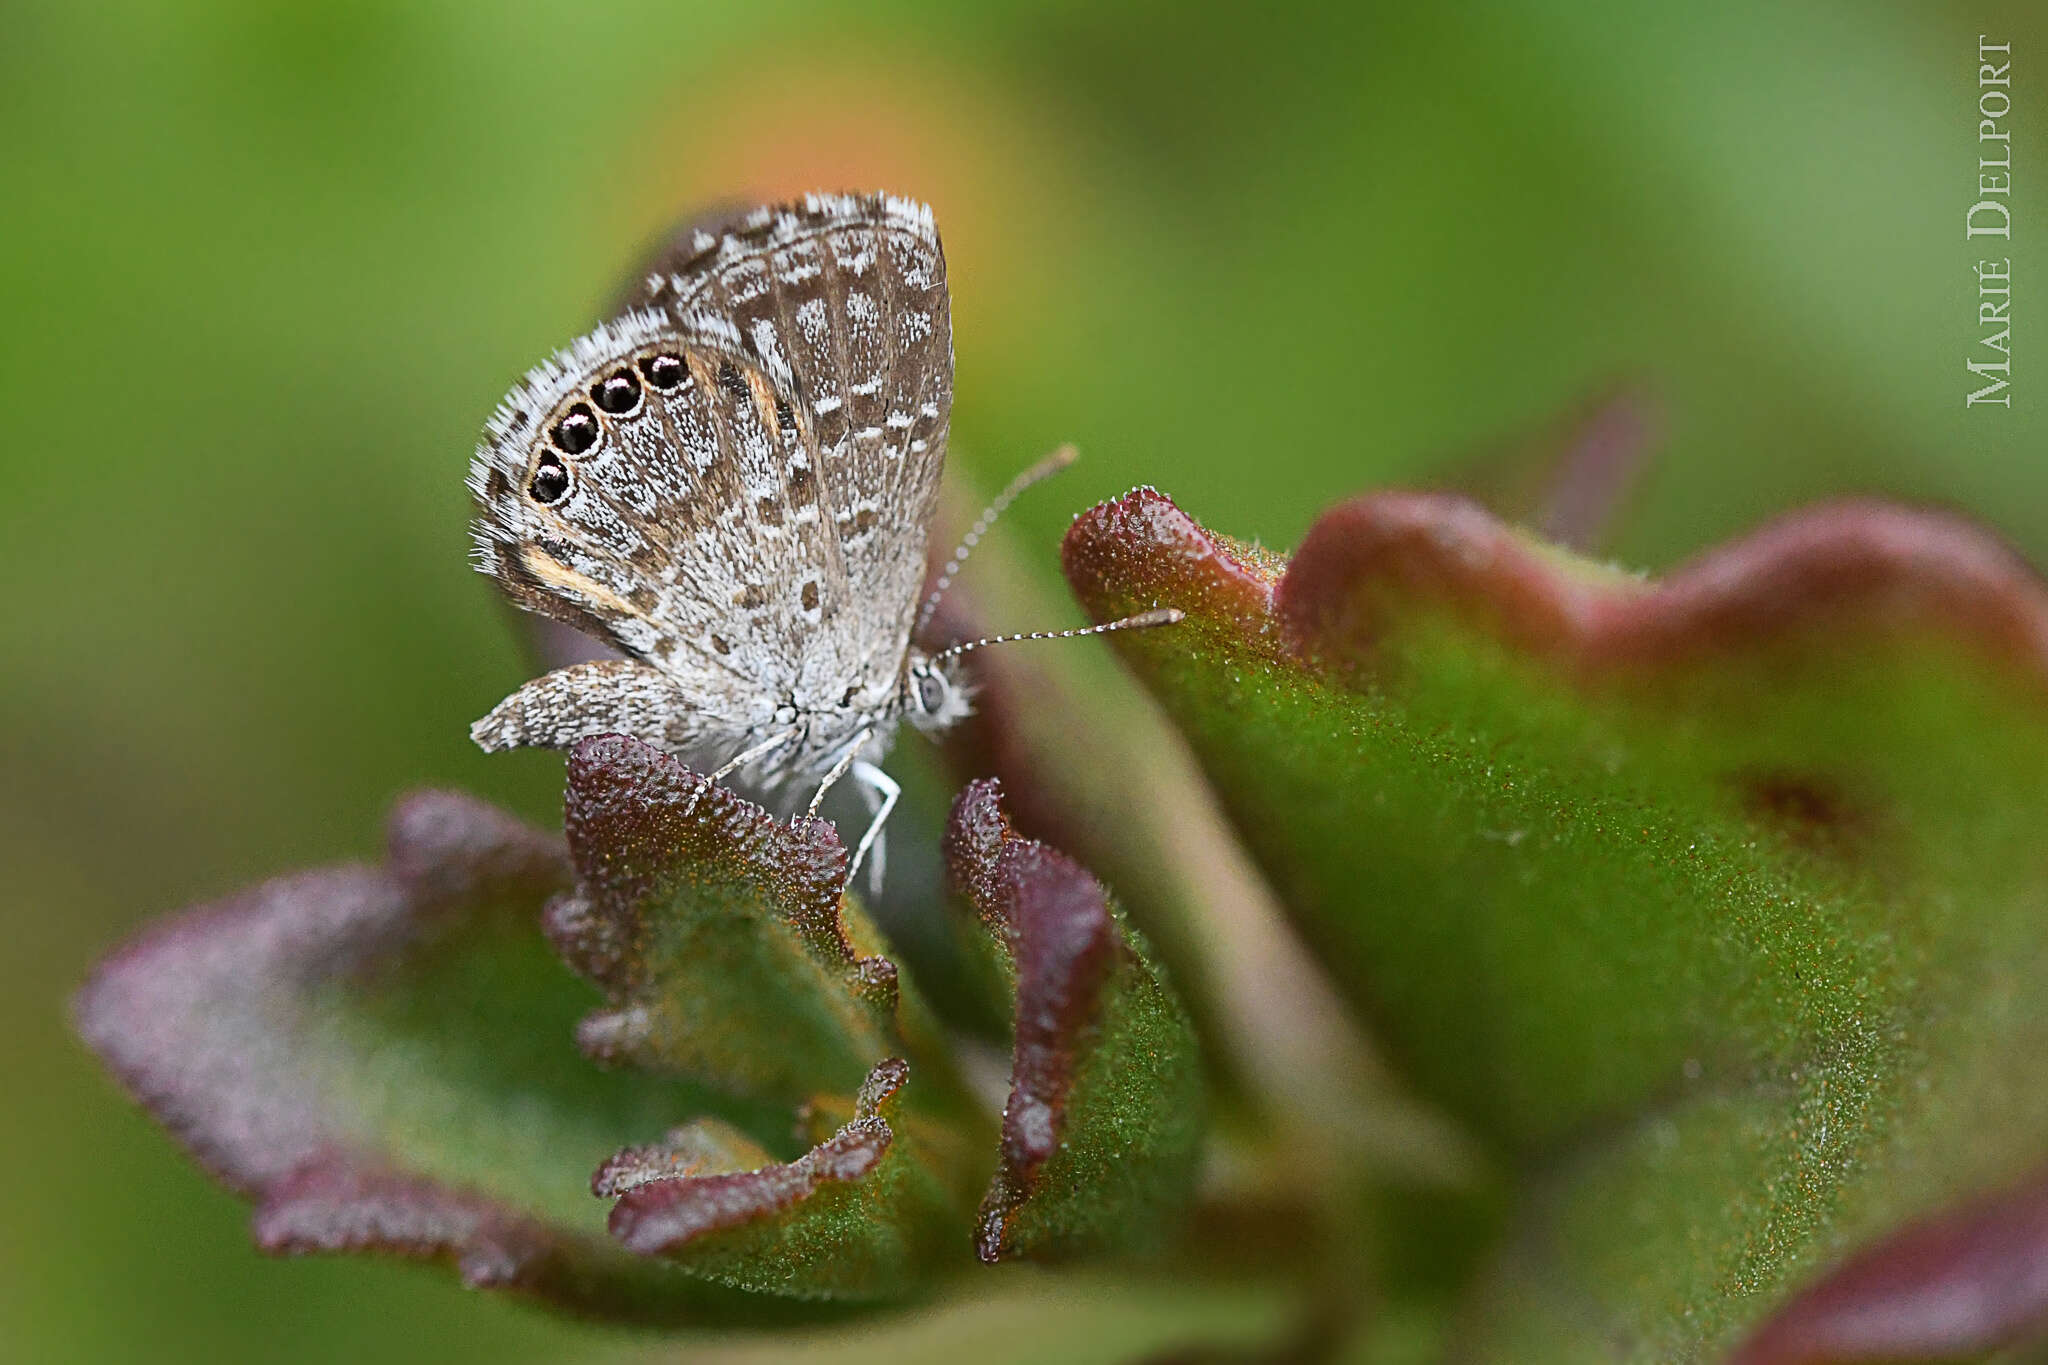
x=576 y=432
x=664 y=371
x=931 y=693
x=550 y=480
x=617 y=394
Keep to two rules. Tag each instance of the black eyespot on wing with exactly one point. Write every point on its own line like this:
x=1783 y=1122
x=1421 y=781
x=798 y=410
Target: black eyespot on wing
x=664 y=371
x=617 y=393
x=809 y=597
x=720 y=645
x=576 y=432
x=846 y=698
x=550 y=480
x=729 y=379
x=785 y=415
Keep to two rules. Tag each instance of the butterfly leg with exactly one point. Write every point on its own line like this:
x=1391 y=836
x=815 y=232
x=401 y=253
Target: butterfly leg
x=868 y=774
x=883 y=791
x=846 y=761
x=738 y=761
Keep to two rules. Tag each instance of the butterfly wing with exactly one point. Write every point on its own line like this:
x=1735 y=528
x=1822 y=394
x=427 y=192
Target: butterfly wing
x=732 y=484
x=649 y=485
x=845 y=297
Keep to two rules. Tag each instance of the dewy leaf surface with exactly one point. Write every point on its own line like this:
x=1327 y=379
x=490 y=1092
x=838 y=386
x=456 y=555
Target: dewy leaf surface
x=1715 y=906
x=1104 y=1117
x=383 y=1059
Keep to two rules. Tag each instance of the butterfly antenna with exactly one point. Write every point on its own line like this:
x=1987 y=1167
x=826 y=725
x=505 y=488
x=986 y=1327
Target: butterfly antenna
x=1044 y=469
x=1144 y=620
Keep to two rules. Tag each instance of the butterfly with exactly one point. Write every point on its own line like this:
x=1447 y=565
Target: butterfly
x=732 y=482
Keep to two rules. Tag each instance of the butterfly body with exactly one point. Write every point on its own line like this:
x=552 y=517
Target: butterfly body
x=732 y=482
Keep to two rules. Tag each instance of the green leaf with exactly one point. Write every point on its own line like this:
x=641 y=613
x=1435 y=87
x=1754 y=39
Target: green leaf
x=1714 y=906
x=1104 y=1118
x=864 y=1214
x=720 y=937
x=1090 y=765
x=382 y=1059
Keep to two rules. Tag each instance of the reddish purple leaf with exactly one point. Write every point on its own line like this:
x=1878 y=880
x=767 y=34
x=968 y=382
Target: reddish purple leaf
x=1103 y=1118
x=861 y=1215
x=380 y=1058
x=1571 y=481
x=1967 y=1281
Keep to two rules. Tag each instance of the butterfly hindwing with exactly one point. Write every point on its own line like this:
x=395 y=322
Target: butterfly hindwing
x=661 y=525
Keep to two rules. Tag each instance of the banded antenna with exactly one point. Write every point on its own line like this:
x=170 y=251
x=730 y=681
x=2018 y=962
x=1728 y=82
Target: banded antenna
x=1144 y=620
x=1038 y=473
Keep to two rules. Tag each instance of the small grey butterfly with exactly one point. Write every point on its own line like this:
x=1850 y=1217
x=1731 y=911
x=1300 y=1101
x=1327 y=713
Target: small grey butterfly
x=732 y=482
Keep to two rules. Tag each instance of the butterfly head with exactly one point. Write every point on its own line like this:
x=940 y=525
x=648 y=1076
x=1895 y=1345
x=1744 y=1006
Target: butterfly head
x=934 y=694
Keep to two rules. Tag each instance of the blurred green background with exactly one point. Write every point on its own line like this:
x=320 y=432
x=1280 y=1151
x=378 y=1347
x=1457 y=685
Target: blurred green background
x=264 y=268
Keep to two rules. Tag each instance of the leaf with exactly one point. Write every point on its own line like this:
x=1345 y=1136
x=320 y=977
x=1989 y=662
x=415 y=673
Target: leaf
x=1714 y=906
x=382 y=1059
x=1104 y=1117
x=1090 y=765
x=1967 y=1279
x=1574 y=479
x=1086 y=762
x=718 y=934
x=861 y=1215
